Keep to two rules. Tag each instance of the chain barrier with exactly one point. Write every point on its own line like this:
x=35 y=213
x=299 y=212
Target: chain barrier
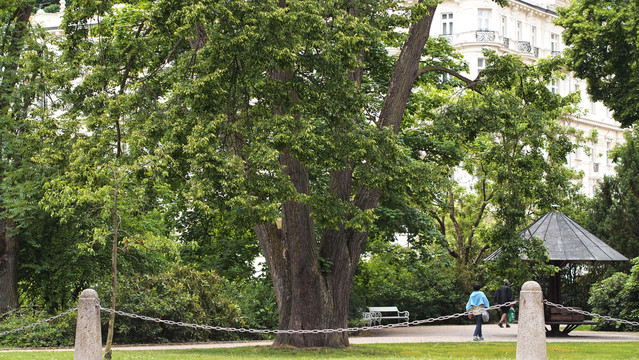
x=312 y=331
x=39 y=322
x=302 y=331
x=583 y=312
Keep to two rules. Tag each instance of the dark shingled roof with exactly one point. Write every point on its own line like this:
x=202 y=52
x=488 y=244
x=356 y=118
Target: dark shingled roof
x=567 y=241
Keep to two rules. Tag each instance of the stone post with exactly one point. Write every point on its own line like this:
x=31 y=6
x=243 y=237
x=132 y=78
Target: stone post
x=88 y=336
x=531 y=335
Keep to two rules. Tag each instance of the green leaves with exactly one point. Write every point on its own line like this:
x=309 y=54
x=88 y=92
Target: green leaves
x=603 y=49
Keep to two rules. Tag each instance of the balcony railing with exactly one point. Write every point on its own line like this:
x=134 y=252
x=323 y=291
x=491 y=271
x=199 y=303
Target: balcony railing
x=536 y=51
x=448 y=38
x=484 y=35
x=555 y=53
x=523 y=46
x=506 y=42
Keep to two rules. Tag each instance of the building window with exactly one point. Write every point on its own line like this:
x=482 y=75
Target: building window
x=447 y=24
x=578 y=153
x=554 y=43
x=533 y=36
x=481 y=64
x=504 y=26
x=483 y=17
x=554 y=86
x=518 y=30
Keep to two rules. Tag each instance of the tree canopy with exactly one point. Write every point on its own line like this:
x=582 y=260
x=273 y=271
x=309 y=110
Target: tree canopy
x=601 y=39
x=616 y=202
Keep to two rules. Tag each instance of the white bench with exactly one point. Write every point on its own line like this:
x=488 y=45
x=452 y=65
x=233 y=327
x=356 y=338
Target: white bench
x=376 y=314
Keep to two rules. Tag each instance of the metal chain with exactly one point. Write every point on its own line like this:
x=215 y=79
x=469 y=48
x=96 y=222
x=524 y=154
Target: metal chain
x=313 y=331
x=301 y=331
x=583 y=312
x=38 y=323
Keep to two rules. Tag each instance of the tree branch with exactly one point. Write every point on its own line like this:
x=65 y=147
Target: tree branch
x=471 y=84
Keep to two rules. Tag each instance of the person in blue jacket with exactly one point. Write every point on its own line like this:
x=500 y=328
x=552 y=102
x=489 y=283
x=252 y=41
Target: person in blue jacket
x=476 y=302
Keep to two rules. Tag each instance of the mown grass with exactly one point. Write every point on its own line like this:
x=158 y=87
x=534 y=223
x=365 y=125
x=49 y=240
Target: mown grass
x=445 y=351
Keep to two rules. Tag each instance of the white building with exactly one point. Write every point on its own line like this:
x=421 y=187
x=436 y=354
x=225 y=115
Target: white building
x=526 y=28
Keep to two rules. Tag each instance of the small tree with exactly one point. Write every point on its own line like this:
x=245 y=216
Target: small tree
x=514 y=148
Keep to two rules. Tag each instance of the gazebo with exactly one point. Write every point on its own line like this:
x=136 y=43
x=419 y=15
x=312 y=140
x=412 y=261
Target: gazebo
x=567 y=242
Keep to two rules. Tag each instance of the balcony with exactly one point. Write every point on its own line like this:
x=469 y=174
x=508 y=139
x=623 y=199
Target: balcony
x=484 y=36
x=448 y=37
x=536 y=51
x=506 y=42
x=524 y=46
x=555 y=53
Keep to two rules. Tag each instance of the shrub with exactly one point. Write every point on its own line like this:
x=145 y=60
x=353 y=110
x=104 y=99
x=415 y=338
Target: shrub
x=617 y=296
x=59 y=332
x=256 y=301
x=53 y=8
x=180 y=294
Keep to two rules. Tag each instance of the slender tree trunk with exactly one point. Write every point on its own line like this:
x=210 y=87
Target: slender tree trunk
x=8 y=267
x=114 y=267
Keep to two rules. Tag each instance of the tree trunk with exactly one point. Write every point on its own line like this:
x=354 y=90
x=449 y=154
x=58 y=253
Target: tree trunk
x=8 y=267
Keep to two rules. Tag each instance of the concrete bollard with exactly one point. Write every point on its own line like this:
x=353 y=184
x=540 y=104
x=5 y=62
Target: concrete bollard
x=531 y=335
x=88 y=336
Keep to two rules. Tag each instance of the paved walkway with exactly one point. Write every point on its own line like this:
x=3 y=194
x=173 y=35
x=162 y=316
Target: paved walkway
x=415 y=334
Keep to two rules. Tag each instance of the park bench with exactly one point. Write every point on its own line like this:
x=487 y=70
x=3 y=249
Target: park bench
x=555 y=317
x=376 y=314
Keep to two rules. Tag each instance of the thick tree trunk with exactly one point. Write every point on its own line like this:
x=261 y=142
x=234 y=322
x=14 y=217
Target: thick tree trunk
x=8 y=267
x=313 y=280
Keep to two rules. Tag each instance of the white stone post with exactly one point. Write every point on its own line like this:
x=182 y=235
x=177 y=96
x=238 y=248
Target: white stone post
x=531 y=335
x=88 y=336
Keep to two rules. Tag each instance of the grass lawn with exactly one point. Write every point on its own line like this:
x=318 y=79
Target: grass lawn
x=486 y=350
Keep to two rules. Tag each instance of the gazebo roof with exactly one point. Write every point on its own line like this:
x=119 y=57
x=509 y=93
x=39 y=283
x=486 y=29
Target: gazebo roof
x=567 y=241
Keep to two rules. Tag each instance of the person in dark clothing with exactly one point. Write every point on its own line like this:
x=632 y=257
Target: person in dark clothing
x=502 y=296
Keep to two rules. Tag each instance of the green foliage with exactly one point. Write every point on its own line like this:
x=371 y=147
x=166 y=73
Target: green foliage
x=53 y=8
x=255 y=300
x=218 y=244
x=615 y=205
x=179 y=294
x=507 y=136
x=617 y=296
x=60 y=332
x=396 y=276
x=601 y=39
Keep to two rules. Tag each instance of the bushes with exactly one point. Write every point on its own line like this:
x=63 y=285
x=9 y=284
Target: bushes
x=617 y=296
x=59 y=332
x=180 y=294
x=396 y=276
x=255 y=298
x=53 y=8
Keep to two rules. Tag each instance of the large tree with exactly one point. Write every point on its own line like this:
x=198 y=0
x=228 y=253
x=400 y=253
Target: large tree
x=284 y=115
x=602 y=45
